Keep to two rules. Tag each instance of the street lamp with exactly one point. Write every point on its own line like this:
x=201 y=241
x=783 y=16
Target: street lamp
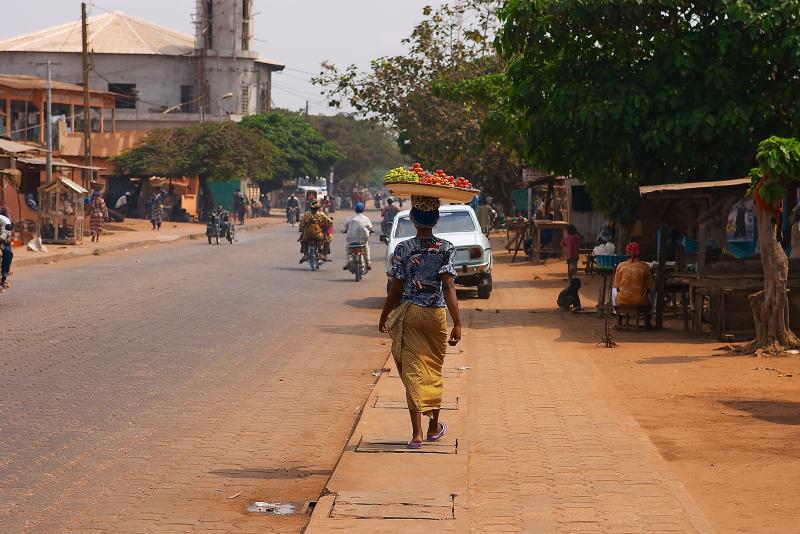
x=226 y=96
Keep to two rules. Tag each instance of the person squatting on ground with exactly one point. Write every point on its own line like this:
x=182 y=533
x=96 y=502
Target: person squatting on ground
x=314 y=226
x=98 y=213
x=569 y=299
x=571 y=245
x=5 y=246
x=423 y=274
x=358 y=229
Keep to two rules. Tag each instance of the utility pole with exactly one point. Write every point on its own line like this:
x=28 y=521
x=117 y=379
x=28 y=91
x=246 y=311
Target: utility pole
x=87 y=111
x=49 y=161
x=306 y=108
x=49 y=117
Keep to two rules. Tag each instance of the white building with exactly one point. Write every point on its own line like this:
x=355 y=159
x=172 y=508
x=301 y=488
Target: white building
x=210 y=76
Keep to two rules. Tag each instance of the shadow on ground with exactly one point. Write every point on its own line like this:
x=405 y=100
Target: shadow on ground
x=369 y=303
x=266 y=473
x=772 y=411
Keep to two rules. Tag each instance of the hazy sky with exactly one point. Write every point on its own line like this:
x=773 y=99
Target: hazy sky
x=299 y=33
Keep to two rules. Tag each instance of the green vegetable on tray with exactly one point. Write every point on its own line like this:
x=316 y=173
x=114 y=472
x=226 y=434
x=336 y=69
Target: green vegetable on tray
x=400 y=174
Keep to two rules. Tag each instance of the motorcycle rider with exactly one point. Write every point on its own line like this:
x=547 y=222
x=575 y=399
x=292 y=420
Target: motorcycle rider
x=314 y=227
x=292 y=204
x=358 y=229
x=5 y=246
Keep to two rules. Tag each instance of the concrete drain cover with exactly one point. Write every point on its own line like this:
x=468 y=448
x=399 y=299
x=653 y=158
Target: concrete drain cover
x=393 y=506
x=447 y=445
x=382 y=402
x=271 y=508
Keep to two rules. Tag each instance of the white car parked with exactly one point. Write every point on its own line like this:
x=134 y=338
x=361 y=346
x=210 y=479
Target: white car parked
x=458 y=224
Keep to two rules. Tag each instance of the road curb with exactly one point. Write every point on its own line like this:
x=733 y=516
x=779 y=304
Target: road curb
x=57 y=258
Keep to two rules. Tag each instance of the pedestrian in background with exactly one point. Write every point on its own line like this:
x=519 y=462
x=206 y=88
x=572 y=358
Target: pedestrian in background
x=98 y=213
x=157 y=211
x=423 y=274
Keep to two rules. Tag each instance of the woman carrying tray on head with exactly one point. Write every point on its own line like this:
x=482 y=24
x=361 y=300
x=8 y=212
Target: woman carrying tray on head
x=414 y=315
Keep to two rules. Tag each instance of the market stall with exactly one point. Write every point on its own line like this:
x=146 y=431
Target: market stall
x=699 y=235
x=61 y=212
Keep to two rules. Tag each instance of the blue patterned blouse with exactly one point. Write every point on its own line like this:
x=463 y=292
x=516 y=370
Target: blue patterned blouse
x=420 y=262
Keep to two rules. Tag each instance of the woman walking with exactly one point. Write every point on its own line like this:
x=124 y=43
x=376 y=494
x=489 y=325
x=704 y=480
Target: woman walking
x=98 y=213
x=414 y=315
x=157 y=211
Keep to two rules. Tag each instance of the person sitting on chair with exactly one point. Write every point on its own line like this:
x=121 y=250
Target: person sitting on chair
x=633 y=280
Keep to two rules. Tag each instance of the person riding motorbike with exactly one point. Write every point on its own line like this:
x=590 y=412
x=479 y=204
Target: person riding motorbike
x=314 y=227
x=292 y=205
x=358 y=229
x=224 y=219
x=6 y=227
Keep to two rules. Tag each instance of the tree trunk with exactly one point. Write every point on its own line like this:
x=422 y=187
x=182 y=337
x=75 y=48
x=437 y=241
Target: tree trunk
x=771 y=306
x=623 y=237
x=208 y=197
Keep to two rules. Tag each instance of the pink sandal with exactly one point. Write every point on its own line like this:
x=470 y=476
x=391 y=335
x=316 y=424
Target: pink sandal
x=441 y=433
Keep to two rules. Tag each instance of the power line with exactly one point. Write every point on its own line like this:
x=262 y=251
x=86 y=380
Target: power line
x=301 y=91
x=302 y=71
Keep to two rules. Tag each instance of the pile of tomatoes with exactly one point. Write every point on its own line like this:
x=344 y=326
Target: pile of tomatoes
x=440 y=178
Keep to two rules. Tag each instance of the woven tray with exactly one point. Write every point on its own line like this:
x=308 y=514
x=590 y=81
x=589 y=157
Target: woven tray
x=453 y=194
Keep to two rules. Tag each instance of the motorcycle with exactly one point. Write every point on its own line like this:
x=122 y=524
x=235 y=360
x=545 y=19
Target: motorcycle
x=293 y=215
x=313 y=249
x=220 y=225
x=5 y=240
x=357 y=260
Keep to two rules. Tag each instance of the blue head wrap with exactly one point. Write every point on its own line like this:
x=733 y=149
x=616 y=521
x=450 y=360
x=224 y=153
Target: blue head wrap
x=424 y=219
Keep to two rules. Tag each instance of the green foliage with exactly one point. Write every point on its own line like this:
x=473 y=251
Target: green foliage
x=306 y=151
x=419 y=94
x=368 y=149
x=623 y=93
x=778 y=165
x=219 y=151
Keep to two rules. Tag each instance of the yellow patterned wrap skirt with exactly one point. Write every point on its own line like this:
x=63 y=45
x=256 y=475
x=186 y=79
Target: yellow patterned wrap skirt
x=419 y=344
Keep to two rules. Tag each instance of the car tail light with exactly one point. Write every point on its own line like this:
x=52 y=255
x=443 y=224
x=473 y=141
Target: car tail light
x=475 y=253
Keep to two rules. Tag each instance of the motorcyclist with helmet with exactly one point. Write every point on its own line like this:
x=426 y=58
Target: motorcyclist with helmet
x=358 y=229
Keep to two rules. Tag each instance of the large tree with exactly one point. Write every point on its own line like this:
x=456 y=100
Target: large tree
x=623 y=93
x=222 y=151
x=306 y=151
x=778 y=169
x=368 y=149
x=411 y=93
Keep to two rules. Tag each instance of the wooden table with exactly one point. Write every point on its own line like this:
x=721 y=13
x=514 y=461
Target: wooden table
x=545 y=224
x=517 y=242
x=604 y=297
x=715 y=286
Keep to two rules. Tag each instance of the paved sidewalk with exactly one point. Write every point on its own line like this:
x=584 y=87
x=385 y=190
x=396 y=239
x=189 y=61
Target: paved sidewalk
x=542 y=446
x=133 y=233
